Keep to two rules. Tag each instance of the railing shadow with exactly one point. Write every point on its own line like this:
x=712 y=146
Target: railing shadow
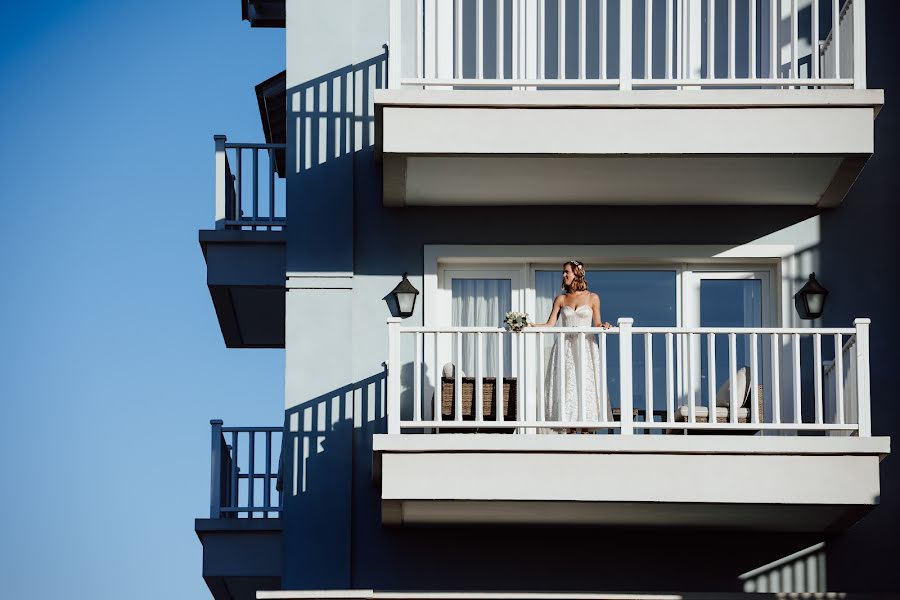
x=330 y=120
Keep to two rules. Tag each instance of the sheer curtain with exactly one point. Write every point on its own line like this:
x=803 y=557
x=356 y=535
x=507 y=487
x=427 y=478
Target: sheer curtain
x=482 y=303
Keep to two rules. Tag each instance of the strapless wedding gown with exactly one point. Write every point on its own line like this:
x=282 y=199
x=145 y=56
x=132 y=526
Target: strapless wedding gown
x=565 y=407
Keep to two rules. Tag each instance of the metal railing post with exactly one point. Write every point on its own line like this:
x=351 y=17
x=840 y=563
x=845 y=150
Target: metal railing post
x=626 y=400
x=393 y=375
x=863 y=389
x=221 y=196
x=394 y=45
x=625 y=45
x=215 y=478
x=859 y=44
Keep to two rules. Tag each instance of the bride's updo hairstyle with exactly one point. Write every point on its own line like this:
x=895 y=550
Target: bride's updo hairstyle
x=579 y=284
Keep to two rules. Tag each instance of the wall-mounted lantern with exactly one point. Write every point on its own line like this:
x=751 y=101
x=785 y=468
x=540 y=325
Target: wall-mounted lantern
x=810 y=300
x=405 y=295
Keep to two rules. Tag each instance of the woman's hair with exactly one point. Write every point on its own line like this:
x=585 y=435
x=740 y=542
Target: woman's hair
x=579 y=284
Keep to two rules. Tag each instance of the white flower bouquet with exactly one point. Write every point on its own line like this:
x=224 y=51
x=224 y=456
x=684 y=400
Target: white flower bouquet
x=515 y=321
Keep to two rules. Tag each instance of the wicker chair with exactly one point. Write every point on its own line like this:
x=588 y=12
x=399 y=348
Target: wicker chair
x=701 y=414
x=489 y=408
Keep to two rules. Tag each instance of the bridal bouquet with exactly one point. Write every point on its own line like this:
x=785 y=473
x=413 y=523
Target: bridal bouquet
x=515 y=321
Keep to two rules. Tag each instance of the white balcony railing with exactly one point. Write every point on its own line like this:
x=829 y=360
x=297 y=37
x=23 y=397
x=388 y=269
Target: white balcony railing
x=654 y=378
x=247 y=203
x=627 y=44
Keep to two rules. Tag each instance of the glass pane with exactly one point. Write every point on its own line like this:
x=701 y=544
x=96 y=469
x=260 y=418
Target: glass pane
x=482 y=303
x=727 y=303
x=649 y=297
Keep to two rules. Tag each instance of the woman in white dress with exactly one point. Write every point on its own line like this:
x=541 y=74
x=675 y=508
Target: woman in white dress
x=576 y=307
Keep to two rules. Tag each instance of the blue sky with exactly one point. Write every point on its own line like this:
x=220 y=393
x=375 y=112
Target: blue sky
x=111 y=360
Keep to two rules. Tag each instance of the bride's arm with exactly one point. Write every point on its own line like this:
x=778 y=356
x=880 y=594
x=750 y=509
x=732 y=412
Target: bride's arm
x=595 y=305
x=554 y=314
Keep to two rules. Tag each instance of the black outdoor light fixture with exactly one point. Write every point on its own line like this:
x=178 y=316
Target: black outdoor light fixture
x=405 y=295
x=810 y=300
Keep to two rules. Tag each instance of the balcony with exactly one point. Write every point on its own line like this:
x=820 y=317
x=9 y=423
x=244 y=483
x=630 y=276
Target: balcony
x=791 y=448
x=625 y=102
x=263 y=13
x=242 y=545
x=245 y=253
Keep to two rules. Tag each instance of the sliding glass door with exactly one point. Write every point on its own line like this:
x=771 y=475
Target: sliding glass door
x=725 y=299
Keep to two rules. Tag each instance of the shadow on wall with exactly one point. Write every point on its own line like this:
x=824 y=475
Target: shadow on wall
x=330 y=118
x=320 y=435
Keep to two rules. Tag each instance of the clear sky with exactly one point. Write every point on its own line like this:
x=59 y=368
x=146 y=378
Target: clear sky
x=111 y=359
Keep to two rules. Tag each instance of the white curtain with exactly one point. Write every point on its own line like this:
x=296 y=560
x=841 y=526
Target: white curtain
x=482 y=303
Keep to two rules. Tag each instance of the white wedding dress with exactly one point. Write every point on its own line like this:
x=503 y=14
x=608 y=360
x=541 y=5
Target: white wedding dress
x=565 y=407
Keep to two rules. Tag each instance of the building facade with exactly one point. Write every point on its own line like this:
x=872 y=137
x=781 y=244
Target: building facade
x=700 y=158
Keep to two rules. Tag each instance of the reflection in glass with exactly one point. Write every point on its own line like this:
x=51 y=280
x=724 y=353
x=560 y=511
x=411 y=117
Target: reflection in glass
x=727 y=303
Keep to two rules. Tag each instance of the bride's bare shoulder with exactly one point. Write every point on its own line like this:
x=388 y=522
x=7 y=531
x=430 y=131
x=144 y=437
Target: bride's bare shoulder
x=595 y=297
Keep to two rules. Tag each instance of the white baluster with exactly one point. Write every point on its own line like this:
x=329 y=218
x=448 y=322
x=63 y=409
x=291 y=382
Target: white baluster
x=817 y=376
x=711 y=39
x=560 y=376
x=670 y=380
x=479 y=376
x=839 y=377
x=604 y=39
x=795 y=355
x=751 y=40
x=774 y=48
x=732 y=40
x=732 y=377
x=648 y=39
x=561 y=39
x=669 y=37
x=711 y=376
x=501 y=70
x=542 y=408
x=648 y=378
x=479 y=39
x=418 y=396
x=776 y=379
x=582 y=40
x=754 y=379
x=836 y=36
x=457 y=372
x=795 y=40
x=582 y=357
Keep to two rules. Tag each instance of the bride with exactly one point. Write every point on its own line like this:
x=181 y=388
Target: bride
x=577 y=307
